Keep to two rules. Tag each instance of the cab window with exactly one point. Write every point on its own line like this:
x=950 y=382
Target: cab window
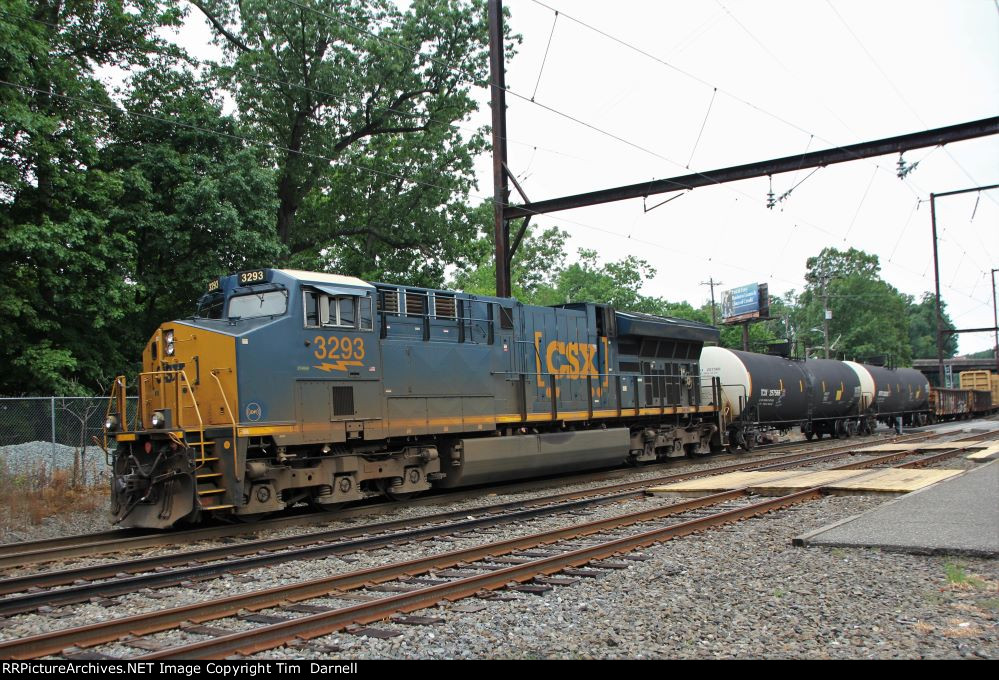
x=337 y=311
x=269 y=303
x=211 y=306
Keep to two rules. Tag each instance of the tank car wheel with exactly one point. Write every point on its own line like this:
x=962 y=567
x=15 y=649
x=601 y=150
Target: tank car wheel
x=809 y=436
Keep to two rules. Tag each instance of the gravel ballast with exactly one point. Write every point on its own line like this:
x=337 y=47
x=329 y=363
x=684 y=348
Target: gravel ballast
x=739 y=592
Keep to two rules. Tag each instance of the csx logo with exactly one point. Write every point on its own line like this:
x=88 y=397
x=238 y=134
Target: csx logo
x=572 y=360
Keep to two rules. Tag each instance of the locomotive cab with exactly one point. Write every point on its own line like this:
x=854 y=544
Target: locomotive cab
x=270 y=395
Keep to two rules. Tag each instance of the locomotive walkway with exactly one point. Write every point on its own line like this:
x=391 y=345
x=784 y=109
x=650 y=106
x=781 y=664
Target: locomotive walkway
x=957 y=516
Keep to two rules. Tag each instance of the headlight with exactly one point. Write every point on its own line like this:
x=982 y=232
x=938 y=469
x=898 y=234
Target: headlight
x=158 y=419
x=168 y=343
x=111 y=424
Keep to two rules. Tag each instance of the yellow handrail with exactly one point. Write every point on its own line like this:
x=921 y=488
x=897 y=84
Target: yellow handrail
x=117 y=396
x=232 y=417
x=179 y=376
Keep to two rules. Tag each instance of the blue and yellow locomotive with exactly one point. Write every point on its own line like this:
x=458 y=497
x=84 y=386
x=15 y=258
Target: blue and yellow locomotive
x=291 y=387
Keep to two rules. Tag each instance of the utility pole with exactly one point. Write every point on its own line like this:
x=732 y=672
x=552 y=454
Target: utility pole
x=826 y=315
x=936 y=271
x=711 y=282
x=936 y=279
x=501 y=189
x=995 y=319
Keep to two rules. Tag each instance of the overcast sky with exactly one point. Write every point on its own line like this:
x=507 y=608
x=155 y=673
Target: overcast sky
x=791 y=76
x=844 y=72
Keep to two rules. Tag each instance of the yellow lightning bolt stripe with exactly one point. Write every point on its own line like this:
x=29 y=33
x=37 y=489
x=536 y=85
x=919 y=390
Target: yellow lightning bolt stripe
x=341 y=365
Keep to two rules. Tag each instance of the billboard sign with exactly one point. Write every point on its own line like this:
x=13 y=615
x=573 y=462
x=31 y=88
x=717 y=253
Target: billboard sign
x=745 y=302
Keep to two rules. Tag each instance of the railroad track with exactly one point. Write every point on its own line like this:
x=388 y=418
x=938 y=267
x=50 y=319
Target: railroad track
x=126 y=540
x=171 y=569
x=500 y=563
x=524 y=567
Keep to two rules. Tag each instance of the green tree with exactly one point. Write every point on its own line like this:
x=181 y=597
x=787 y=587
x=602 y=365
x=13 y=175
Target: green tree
x=534 y=272
x=923 y=328
x=195 y=204
x=869 y=316
x=344 y=87
x=65 y=284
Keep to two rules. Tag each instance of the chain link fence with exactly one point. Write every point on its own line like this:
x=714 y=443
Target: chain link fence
x=55 y=431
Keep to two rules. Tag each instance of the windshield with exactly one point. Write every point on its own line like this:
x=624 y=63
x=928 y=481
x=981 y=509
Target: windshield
x=210 y=306
x=270 y=303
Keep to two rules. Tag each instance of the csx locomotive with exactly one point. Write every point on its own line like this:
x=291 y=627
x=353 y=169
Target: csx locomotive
x=288 y=387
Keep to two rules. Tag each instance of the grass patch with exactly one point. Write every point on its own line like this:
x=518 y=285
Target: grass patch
x=989 y=603
x=29 y=497
x=958 y=576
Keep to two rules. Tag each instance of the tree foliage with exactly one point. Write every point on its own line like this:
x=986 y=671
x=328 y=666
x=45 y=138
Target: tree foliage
x=923 y=328
x=360 y=101
x=64 y=288
x=194 y=204
x=869 y=316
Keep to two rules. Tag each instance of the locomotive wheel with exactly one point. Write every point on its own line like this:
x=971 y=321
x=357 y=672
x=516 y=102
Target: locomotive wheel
x=326 y=507
x=386 y=488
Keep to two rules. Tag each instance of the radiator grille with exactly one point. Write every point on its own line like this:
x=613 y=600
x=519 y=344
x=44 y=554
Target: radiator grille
x=343 y=401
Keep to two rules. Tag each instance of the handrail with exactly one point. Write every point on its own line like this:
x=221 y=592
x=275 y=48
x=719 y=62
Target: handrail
x=232 y=417
x=179 y=375
x=117 y=397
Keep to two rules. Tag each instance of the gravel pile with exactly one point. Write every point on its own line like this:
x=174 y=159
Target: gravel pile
x=28 y=459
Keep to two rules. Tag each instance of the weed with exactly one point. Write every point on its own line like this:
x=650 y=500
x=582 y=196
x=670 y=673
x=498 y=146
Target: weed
x=957 y=576
x=28 y=498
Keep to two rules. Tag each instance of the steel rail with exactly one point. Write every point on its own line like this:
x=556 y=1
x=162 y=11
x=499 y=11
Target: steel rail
x=140 y=624
x=93 y=634
x=50 y=550
x=897 y=455
x=599 y=495
x=316 y=625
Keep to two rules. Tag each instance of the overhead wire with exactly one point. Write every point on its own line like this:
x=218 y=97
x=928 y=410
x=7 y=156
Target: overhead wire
x=701 y=131
x=278 y=147
x=895 y=88
x=544 y=60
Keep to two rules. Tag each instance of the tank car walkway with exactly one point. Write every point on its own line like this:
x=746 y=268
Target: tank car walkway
x=956 y=516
